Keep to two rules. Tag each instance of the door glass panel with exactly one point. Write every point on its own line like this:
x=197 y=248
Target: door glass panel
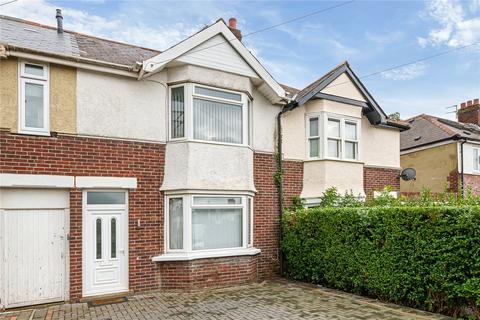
x=106 y=197
x=98 y=239
x=33 y=105
x=113 y=238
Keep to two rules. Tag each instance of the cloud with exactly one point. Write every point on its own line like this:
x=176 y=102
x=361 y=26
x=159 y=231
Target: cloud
x=456 y=28
x=385 y=38
x=406 y=73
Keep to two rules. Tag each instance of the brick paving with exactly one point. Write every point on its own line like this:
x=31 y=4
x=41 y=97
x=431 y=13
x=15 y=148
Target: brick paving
x=278 y=299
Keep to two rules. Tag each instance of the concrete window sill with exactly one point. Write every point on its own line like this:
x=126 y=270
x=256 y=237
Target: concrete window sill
x=187 y=256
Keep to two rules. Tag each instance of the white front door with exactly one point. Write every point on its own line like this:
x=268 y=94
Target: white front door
x=105 y=242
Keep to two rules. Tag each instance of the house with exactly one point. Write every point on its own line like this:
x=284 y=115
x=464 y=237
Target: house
x=444 y=153
x=126 y=169
x=348 y=141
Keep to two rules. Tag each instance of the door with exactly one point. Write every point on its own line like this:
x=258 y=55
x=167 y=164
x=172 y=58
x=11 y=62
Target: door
x=105 y=242
x=33 y=245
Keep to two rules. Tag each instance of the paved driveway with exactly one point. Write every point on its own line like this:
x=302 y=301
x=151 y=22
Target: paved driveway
x=267 y=300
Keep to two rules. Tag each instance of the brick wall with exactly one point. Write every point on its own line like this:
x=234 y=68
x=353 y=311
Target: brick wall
x=66 y=155
x=375 y=179
x=472 y=182
x=266 y=228
x=203 y=273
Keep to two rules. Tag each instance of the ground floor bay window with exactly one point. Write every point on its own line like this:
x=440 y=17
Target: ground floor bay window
x=202 y=226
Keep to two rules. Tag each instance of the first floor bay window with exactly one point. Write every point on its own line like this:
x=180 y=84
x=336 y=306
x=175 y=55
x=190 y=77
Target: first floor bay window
x=205 y=113
x=200 y=223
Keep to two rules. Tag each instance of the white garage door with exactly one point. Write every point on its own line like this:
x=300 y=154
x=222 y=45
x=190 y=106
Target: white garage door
x=33 y=244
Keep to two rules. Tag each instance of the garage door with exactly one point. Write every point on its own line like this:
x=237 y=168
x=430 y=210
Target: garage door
x=33 y=244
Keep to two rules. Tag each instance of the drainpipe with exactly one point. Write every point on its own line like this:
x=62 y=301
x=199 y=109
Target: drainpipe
x=289 y=106
x=462 y=176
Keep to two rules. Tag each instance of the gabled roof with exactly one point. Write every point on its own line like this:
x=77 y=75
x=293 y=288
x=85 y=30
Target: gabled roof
x=426 y=129
x=371 y=108
x=30 y=36
x=158 y=62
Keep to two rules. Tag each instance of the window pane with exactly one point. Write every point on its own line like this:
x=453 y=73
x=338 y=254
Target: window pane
x=333 y=148
x=33 y=105
x=175 y=223
x=350 y=150
x=178 y=113
x=106 y=198
x=314 y=147
x=33 y=70
x=475 y=159
x=217 y=200
x=98 y=237
x=313 y=127
x=113 y=238
x=216 y=228
x=218 y=93
x=350 y=131
x=333 y=128
x=217 y=121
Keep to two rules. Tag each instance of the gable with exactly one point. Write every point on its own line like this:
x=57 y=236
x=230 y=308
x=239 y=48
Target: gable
x=343 y=86
x=217 y=53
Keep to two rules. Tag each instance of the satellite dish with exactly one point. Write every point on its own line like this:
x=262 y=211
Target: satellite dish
x=408 y=174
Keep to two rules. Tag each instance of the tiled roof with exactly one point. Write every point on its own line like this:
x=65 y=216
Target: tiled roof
x=426 y=129
x=37 y=37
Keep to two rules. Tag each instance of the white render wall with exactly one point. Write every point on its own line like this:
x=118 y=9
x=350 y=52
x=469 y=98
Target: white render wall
x=264 y=123
x=208 y=166
x=381 y=146
x=120 y=107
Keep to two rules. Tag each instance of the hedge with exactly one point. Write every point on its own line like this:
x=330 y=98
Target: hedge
x=422 y=257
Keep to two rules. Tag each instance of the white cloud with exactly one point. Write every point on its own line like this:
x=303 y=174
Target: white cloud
x=385 y=38
x=456 y=28
x=406 y=73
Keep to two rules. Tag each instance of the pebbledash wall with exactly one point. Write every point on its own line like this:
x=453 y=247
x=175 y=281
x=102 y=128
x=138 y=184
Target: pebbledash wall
x=73 y=155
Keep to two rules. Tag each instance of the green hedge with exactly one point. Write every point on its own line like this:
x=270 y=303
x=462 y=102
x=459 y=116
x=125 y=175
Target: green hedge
x=422 y=257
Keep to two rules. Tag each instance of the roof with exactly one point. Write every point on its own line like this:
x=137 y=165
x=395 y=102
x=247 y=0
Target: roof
x=426 y=129
x=23 y=34
x=371 y=109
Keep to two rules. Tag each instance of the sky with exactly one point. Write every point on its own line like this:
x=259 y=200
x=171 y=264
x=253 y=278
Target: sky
x=371 y=35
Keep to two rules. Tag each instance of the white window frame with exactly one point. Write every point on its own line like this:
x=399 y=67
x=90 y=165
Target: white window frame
x=188 y=207
x=477 y=151
x=323 y=118
x=189 y=92
x=345 y=140
x=23 y=79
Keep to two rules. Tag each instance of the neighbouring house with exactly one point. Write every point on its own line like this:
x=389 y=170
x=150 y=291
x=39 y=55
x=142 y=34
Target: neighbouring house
x=127 y=169
x=444 y=153
x=342 y=137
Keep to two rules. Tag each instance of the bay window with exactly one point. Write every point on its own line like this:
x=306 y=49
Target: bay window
x=476 y=159
x=200 y=223
x=332 y=137
x=34 y=98
x=202 y=113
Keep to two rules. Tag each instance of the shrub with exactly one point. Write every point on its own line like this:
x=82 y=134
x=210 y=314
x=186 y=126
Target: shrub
x=425 y=257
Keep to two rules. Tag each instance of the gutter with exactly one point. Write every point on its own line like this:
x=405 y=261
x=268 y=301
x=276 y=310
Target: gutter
x=289 y=106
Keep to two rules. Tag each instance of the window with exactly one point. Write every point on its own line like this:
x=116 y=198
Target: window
x=314 y=137
x=98 y=238
x=214 y=115
x=33 y=97
x=113 y=238
x=476 y=160
x=332 y=137
x=106 y=197
x=209 y=222
x=177 y=113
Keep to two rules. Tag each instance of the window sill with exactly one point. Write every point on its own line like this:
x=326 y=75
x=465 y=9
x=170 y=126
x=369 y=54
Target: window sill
x=334 y=159
x=187 y=256
x=35 y=133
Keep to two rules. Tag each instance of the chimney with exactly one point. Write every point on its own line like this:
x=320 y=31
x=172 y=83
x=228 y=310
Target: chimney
x=469 y=112
x=59 y=21
x=232 y=25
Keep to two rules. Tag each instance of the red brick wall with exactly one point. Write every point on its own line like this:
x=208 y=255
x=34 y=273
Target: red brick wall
x=266 y=228
x=375 y=179
x=472 y=182
x=205 y=273
x=66 y=155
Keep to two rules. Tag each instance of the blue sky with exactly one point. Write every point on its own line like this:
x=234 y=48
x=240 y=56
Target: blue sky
x=371 y=35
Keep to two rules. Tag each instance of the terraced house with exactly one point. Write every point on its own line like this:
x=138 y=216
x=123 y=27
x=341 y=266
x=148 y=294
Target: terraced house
x=125 y=169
